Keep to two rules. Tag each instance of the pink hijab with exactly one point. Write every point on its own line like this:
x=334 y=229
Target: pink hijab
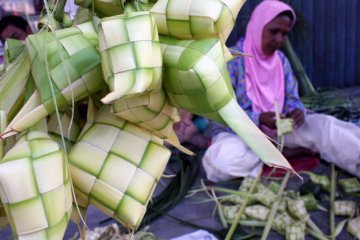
x=264 y=75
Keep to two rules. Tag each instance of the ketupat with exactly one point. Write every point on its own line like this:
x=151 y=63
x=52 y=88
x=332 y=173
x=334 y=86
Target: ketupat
x=132 y=61
x=280 y=222
x=117 y=174
x=257 y=211
x=345 y=208
x=323 y=181
x=295 y=231
x=265 y=195
x=350 y=185
x=297 y=209
x=196 y=19
x=65 y=62
x=309 y=201
x=196 y=79
x=35 y=187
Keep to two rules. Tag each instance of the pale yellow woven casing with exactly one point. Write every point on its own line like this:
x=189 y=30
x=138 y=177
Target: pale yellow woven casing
x=115 y=166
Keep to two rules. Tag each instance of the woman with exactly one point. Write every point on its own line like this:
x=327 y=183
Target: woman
x=260 y=81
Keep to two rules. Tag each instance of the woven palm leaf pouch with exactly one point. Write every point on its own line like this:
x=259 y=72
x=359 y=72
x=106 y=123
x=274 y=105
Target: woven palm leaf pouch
x=117 y=174
x=196 y=19
x=196 y=79
x=65 y=66
x=131 y=59
x=35 y=188
x=195 y=75
x=150 y=111
x=73 y=64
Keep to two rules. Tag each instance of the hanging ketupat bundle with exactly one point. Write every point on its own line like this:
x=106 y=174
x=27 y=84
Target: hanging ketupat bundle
x=69 y=59
x=132 y=60
x=35 y=188
x=117 y=173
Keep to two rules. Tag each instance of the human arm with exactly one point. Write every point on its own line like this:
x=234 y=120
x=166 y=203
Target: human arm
x=268 y=119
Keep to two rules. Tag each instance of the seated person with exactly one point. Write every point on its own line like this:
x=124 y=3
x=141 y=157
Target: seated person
x=14 y=27
x=188 y=131
x=260 y=81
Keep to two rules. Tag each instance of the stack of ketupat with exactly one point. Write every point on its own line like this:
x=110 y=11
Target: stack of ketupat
x=120 y=61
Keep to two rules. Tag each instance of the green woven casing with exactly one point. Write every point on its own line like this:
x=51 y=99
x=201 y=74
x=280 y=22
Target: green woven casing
x=13 y=48
x=107 y=8
x=297 y=209
x=280 y=222
x=81 y=65
x=35 y=188
x=350 y=185
x=131 y=60
x=258 y=212
x=196 y=79
x=196 y=19
x=70 y=129
x=295 y=231
x=83 y=3
x=345 y=208
x=118 y=174
x=264 y=195
x=150 y=111
x=195 y=76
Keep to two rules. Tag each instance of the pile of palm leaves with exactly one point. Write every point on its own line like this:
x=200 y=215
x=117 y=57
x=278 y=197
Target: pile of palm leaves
x=260 y=205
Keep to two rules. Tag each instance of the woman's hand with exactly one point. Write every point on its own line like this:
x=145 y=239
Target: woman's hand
x=268 y=119
x=298 y=116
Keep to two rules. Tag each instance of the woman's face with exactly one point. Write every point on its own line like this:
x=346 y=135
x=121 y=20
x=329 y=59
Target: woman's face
x=14 y=32
x=275 y=33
